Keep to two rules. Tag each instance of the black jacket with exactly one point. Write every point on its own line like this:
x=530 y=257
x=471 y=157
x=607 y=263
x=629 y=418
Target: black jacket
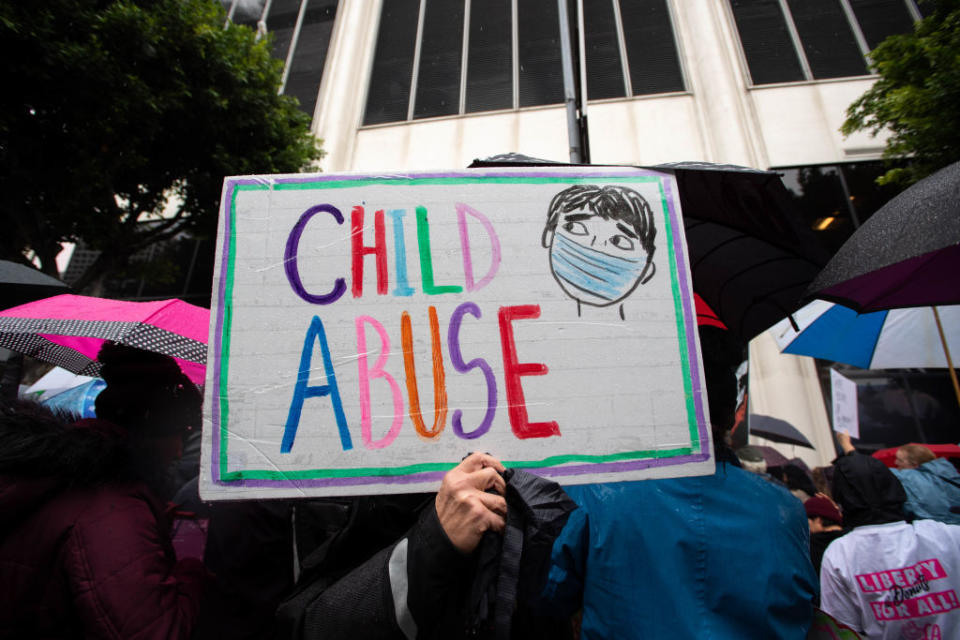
x=420 y=585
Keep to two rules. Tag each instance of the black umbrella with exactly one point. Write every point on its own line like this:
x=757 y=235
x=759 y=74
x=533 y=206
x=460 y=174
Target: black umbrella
x=751 y=256
x=777 y=430
x=906 y=255
x=20 y=284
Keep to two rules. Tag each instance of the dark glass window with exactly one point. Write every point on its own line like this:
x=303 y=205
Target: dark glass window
x=835 y=199
x=306 y=68
x=493 y=76
x=830 y=44
x=766 y=41
x=541 y=73
x=490 y=57
x=827 y=38
x=651 y=49
x=280 y=23
x=881 y=18
x=389 y=91
x=895 y=406
x=441 y=50
x=604 y=67
x=245 y=13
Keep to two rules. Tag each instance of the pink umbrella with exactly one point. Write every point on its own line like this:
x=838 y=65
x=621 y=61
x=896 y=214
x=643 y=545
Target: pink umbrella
x=68 y=331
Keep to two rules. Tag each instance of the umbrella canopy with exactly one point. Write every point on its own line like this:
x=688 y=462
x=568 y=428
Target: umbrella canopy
x=889 y=456
x=906 y=255
x=68 y=330
x=896 y=339
x=20 y=283
x=771 y=456
x=55 y=381
x=705 y=315
x=750 y=255
x=777 y=430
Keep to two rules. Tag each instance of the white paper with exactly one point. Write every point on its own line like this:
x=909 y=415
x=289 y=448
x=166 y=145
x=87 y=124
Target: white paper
x=311 y=386
x=844 y=392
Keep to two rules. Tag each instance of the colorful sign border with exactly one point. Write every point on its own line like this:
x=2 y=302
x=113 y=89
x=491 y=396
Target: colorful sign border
x=553 y=466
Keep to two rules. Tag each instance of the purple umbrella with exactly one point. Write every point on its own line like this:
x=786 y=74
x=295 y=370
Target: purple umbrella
x=906 y=255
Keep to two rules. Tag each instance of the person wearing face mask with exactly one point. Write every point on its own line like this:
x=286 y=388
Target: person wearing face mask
x=601 y=242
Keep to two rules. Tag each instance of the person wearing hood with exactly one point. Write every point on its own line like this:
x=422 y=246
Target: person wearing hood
x=888 y=578
x=719 y=556
x=932 y=484
x=85 y=548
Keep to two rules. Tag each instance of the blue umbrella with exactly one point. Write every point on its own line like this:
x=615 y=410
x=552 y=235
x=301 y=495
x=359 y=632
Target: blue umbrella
x=894 y=339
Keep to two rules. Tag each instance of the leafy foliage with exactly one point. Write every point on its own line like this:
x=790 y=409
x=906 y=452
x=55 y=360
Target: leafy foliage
x=917 y=96
x=115 y=112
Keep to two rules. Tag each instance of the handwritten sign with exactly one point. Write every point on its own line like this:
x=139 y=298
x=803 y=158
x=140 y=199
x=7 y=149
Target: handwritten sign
x=844 y=392
x=368 y=331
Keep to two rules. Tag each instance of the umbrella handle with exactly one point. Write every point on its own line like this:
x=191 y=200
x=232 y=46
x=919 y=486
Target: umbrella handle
x=946 y=352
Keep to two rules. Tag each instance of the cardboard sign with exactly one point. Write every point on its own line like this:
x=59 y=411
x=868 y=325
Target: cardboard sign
x=845 y=416
x=368 y=331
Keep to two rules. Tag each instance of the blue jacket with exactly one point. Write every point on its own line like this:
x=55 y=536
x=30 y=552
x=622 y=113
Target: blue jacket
x=719 y=556
x=930 y=491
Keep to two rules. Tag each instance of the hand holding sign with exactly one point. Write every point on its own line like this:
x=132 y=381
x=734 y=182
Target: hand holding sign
x=464 y=507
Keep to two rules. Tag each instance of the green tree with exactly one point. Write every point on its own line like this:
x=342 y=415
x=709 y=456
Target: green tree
x=118 y=112
x=917 y=96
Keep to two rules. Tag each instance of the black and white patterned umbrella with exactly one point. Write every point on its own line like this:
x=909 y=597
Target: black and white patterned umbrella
x=20 y=284
x=68 y=331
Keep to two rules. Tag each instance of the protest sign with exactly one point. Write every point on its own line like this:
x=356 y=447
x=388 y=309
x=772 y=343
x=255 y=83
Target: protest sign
x=845 y=416
x=368 y=331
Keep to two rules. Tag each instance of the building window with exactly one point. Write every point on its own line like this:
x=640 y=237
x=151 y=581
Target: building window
x=835 y=199
x=449 y=57
x=794 y=40
x=301 y=32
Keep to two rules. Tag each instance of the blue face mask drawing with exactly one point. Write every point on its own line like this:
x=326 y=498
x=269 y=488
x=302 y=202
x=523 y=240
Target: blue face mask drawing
x=584 y=272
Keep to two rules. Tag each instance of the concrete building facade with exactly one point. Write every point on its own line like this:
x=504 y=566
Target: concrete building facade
x=396 y=85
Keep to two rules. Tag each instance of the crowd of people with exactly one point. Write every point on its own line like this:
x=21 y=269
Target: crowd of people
x=746 y=552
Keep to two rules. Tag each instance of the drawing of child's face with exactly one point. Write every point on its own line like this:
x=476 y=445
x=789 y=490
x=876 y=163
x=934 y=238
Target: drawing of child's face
x=596 y=261
x=609 y=236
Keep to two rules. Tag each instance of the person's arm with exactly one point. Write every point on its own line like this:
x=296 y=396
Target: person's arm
x=836 y=594
x=563 y=592
x=124 y=577
x=401 y=592
x=846 y=445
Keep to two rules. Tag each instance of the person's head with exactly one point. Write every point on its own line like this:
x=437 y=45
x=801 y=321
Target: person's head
x=867 y=491
x=149 y=396
x=601 y=242
x=911 y=456
x=822 y=514
x=751 y=459
x=797 y=479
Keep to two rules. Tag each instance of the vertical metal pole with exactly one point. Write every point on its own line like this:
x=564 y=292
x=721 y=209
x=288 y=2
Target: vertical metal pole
x=231 y=12
x=913 y=409
x=294 y=41
x=847 y=196
x=569 y=88
x=582 y=93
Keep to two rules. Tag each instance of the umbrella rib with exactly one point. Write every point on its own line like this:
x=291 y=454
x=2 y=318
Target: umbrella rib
x=741 y=236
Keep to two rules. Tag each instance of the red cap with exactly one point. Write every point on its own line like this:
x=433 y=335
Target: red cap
x=823 y=508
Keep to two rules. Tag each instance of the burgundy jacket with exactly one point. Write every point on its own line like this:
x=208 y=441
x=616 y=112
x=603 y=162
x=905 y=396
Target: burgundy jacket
x=89 y=559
